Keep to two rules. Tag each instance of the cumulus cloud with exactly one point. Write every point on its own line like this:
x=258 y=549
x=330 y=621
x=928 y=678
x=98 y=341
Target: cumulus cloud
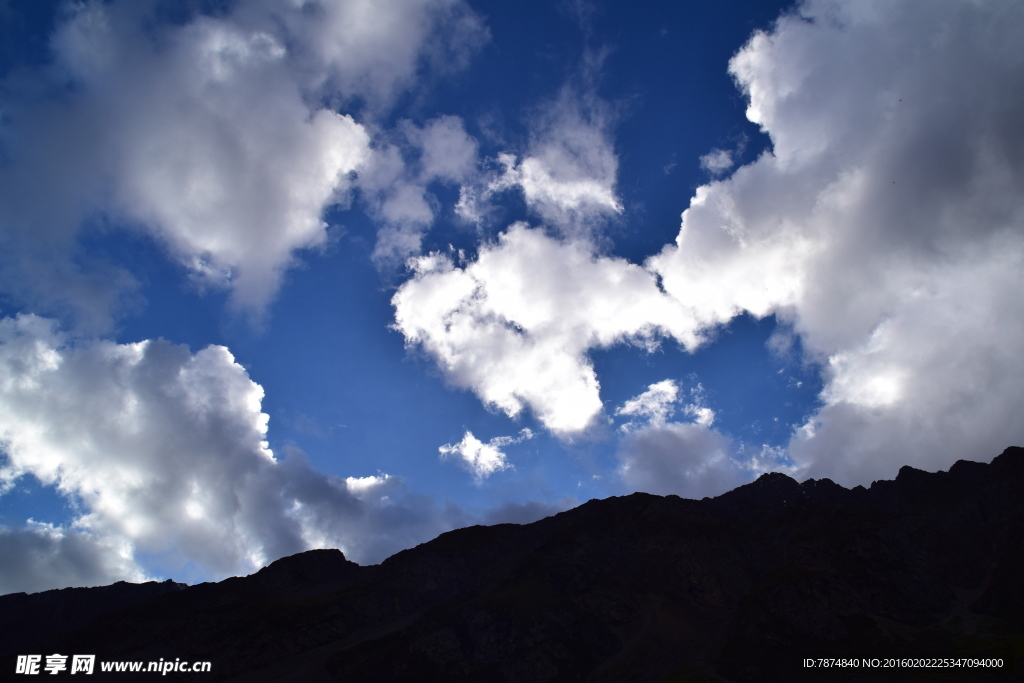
x=164 y=453
x=479 y=458
x=515 y=325
x=144 y=434
x=884 y=228
x=212 y=135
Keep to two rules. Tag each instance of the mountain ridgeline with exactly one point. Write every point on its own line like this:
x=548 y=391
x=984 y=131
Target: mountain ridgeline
x=748 y=586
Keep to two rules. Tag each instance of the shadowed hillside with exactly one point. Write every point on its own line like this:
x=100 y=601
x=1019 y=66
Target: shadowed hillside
x=742 y=587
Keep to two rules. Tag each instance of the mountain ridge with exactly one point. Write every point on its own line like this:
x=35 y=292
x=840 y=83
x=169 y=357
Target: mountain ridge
x=741 y=587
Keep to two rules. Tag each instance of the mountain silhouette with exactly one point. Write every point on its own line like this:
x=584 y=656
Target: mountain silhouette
x=925 y=569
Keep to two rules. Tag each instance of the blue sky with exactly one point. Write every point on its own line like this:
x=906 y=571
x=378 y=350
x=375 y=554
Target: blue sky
x=279 y=275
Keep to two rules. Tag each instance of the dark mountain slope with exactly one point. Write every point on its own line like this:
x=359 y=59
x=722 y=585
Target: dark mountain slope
x=742 y=587
x=25 y=619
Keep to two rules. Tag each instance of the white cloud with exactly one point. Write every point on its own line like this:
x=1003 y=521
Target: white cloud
x=406 y=212
x=568 y=173
x=448 y=152
x=702 y=415
x=395 y=186
x=658 y=403
x=885 y=226
x=655 y=404
x=932 y=384
x=698 y=410
x=163 y=447
x=371 y=49
x=164 y=453
x=483 y=459
x=212 y=135
x=717 y=161
x=515 y=325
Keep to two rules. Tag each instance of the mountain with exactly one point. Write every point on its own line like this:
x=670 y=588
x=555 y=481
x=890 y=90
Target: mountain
x=26 y=619
x=742 y=587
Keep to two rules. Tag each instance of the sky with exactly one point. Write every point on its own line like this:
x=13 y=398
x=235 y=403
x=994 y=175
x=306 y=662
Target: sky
x=289 y=274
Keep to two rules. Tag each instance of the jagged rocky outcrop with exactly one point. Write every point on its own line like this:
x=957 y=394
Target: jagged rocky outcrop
x=741 y=587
